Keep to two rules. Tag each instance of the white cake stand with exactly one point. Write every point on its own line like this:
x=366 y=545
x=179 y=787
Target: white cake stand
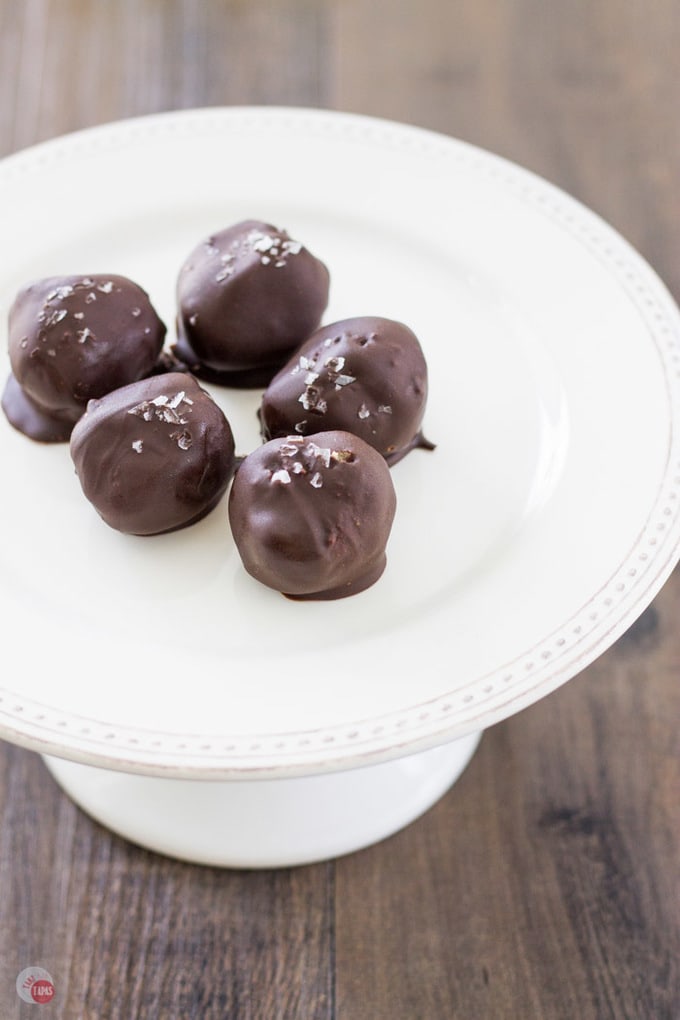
x=266 y=823
x=208 y=718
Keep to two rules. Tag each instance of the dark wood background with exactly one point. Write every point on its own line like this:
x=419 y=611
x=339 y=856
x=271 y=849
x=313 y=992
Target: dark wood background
x=545 y=884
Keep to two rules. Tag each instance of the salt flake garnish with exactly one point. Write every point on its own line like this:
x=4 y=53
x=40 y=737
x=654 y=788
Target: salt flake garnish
x=311 y=398
x=322 y=452
x=281 y=476
x=184 y=440
x=363 y=412
x=289 y=449
x=316 y=480
x=58 y=315
x=304 y=364
x=105 y=288
x=85 y=334
x=138 y=445
x=261 y=242
x=60 y=292
x=384 y=409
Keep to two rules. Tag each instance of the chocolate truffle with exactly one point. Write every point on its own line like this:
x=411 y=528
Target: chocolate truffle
x=364 y=375
x=311 y=516
x=71 y=339
x=247 y=297
x=153 y=456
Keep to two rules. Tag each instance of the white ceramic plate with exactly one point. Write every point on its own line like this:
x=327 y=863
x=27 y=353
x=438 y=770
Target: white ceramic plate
x=539 y=529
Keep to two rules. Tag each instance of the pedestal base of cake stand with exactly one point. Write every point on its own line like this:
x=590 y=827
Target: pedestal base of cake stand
x=265 y=823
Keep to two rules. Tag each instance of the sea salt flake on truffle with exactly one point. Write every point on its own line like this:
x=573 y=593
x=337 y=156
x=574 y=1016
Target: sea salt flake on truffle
x=58 y=315
x=260 y=242
x=316 y=480
x=60 y=292
x=292 y=247
x=298 y=468
x=311 y=400
x=300 y=425
x=363 y=412
x=105 y=288
x=281 y=476
x=184 y=440
x=289 y=449
x=23 y=343
x=344 y=380
x=385 y=409
x=304 y=364
x=52 y=353
x=136 y=312
x=322 y=452
x=335 y=364
x=79 y=315
x=85 y=334
x=177 y=399
x=161 y=400
x=137 y=445
x=89 y=298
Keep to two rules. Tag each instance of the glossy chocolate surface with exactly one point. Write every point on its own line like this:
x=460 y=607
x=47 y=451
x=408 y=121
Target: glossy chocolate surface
x=311 y=516
x=247 y=297
x=363 y=375
x=153 y=456
x=72 y=339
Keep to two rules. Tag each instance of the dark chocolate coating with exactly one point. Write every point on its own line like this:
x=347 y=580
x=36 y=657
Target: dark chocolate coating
x=72 y=339
x=153 y=456
x=364 y=375
x=311 y=516
x=247 y=297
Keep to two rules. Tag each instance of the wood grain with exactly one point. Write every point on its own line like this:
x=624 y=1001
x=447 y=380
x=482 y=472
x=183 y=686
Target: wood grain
x=545 y=884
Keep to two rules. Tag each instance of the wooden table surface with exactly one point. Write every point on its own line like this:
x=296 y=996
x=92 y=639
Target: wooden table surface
x=545 y=884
